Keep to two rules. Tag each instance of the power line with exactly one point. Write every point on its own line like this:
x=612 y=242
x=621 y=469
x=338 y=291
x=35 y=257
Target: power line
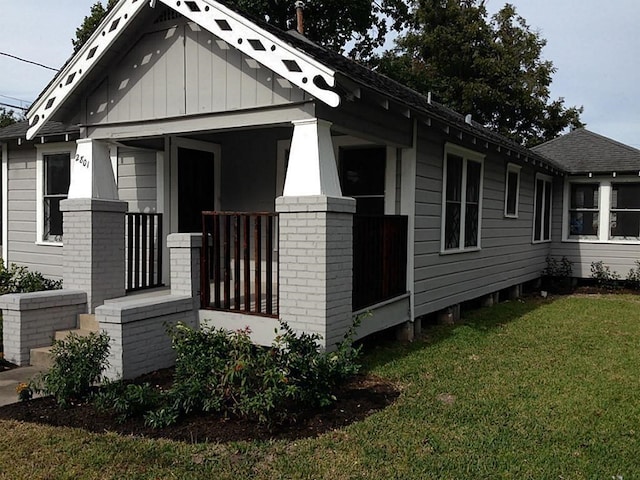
x=14 y=98
x=13 y=106
x=28 y=61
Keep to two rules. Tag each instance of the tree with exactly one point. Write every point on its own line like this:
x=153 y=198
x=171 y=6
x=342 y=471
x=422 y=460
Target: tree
x=362 y=24
x=490 y=68
x=7 y=117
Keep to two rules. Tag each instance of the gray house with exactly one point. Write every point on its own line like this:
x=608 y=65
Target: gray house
x=327 y=190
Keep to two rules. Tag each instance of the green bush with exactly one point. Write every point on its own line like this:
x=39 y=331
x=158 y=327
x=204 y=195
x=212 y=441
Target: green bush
x=224 y=372
x=78 y=363
x=633 y=278
x=127 y=400
x=18 y=279
x=556 y=276
x=604 y=277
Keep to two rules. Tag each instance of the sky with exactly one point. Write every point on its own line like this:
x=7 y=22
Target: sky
x=594 y=45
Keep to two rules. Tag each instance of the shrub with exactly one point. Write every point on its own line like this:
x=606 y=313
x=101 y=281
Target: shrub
x=633 y=278
x=18 y=279
x=604 y=277
x=221 y=371
x=78 y=363
x=556 y=276
x=127 y=400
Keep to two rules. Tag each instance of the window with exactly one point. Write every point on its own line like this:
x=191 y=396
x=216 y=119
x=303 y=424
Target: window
x=542 y=209
x=512 y=191
x=53 y=178
x=584 y=213
x=625 y=211
x=462 y=200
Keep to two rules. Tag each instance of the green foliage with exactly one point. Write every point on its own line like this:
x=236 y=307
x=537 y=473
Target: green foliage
x=633 y=278
x=221 y=371
x=18 y=279
x=604 y=277
x=489 y=68
x=7 y=117
x=556 y=276
x=91 y=23
x=127 y=400
x=78 y=363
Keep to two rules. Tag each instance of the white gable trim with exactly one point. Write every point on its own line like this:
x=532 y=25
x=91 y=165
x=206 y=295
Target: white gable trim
x=70 y=77
x=239 y=32
x=263 y=47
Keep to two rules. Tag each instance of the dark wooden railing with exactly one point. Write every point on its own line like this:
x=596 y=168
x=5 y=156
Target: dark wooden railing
x=239 y=270
x=379 y=258
x=144 y=250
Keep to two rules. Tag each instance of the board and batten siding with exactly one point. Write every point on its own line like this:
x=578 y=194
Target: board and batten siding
x=619 y=256
x=507 y=256
x=22 y=248
x=183 y=70
x=137 y=179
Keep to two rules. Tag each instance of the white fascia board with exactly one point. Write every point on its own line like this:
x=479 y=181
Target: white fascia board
x=265 y=48
x=70 y=77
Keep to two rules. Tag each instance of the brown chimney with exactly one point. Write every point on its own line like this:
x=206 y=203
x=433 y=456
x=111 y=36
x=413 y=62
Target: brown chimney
x=300 y=17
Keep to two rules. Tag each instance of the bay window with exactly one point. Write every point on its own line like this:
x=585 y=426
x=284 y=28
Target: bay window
x=584 y=212
x=625 y=211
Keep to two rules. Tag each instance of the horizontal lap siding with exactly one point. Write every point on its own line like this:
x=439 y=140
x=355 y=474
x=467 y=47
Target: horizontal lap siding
x=21 y=203
x=507 y=256
x=137 y=179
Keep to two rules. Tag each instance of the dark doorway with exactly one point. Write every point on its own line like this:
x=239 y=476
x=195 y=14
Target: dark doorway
x=362 y=177
x=196 y=188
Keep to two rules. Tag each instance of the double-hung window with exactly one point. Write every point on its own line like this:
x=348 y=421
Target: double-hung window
x=462 y=200
x=542 y=209
x=512 y=191
x=54 y=174
x=625 y=211
x=584 y=210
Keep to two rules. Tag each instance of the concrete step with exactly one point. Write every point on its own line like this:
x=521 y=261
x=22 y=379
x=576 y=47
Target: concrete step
x=88 y=321
x=41 y=357
x=80 y=332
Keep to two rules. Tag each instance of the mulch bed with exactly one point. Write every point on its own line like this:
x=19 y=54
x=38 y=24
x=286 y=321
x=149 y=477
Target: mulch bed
x=357 y=399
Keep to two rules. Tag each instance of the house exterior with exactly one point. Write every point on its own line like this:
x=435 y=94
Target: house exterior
x=328 y=190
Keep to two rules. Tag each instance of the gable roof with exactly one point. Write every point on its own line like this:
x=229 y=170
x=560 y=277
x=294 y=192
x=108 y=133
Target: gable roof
x=582 y=151
x=324 y=74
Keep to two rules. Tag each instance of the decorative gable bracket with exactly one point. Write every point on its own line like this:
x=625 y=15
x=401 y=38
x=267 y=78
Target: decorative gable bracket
x=71 y=75
x=265 y=48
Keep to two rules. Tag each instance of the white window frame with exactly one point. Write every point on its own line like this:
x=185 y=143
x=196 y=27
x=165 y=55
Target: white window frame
x=467 y=155
x=547 y=181
x=41 y=152
x=567 y=210
x=512 y=168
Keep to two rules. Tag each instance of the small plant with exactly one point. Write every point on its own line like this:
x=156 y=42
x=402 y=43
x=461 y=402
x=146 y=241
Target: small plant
x=127 y=400
x=78 y=363
x=556 y=276
x=18 y=279
x=604 y=277
x=633 y=278
x=24 y=392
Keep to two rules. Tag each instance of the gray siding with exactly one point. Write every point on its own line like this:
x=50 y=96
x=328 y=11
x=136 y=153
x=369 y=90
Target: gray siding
x=507 y=256
x=21 y=203
x=137 y=179
x=183 y=70
x=619 y=257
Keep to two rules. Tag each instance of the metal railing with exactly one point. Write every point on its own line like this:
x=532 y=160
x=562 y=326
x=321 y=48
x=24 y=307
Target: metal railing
x=144 y=250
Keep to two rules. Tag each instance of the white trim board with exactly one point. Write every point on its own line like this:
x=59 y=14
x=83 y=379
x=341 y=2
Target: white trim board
x=5 y=204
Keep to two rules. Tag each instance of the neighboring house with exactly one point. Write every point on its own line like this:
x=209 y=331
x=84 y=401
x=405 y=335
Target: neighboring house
x=341 y=191
x=597 y=207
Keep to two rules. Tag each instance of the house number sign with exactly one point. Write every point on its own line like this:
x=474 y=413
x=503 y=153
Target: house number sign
x=82 y=161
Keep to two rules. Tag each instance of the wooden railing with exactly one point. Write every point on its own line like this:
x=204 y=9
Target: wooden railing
x=239 y=270
x=144 y=250
x=379 y=258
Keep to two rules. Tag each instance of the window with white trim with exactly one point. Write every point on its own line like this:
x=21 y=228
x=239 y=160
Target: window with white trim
x=584 y=210
x=461 y=200
x=542 y=209
x=625 y=211
x=512 y=191
x=53 y=178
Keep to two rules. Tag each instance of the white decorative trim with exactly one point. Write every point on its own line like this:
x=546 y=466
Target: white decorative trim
x=70 y=77
x=5 y=203
x=265 y=48
x=41 y=151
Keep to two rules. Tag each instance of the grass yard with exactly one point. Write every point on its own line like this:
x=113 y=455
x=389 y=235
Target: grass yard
x=524 y=390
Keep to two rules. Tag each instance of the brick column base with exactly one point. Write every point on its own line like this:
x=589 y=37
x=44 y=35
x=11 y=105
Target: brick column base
x=93 y=252
x=316 y=264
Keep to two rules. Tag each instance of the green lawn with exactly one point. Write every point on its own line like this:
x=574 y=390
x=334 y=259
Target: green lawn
x=523 y=390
